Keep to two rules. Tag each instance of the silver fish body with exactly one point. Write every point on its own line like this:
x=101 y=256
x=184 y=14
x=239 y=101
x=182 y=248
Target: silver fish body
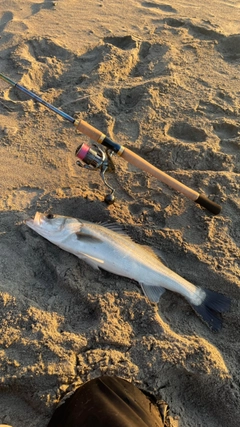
x=107 y=247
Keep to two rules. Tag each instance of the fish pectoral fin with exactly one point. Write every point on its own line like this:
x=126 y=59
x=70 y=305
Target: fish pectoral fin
x=153 y=293
x=87 y=238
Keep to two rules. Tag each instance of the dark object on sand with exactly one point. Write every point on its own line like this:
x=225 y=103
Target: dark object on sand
x=109 y=402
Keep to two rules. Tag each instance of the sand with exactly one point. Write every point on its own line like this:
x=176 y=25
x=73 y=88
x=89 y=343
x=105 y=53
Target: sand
x=163 y=80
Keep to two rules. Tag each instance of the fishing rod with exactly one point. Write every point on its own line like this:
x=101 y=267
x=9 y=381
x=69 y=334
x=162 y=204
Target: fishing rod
x=112 y=147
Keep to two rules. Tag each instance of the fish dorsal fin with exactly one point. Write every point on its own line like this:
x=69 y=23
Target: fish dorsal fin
x=117 y=228
x=90 y=234
x=153 y=293
x=113 y=226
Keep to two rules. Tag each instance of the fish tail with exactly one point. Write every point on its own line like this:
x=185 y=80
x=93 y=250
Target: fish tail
x=211 y=308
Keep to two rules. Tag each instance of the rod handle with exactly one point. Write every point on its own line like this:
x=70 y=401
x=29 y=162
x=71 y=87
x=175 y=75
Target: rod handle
x=191 y=194
x=208 y=204
x=139 y=162
x=89 y=130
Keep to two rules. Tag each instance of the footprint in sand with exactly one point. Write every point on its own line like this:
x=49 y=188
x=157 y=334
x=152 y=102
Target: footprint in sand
x=130 y=97
x=229 y=47
x=129 y=127
x=41 y=47
x=40 y=60
x=151 y=60
x=163 y=7
x=186 y=132
x=7 y=17
x=175 y=23
x=153 y=214
x=11 y=25
x=45 y=5
x=226 y=130
x=203 y=32
x=214 y=108
x=124 y=43
x=198 y=31
x=229 y=133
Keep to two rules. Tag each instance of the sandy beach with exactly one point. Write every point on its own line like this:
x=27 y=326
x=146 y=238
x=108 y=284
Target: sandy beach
x=163 y=80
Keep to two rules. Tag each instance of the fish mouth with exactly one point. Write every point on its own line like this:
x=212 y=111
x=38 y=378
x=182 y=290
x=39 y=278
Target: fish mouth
x=37 y=218
x=36 y=221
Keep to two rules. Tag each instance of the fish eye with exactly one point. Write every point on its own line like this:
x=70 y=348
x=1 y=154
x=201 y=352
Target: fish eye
x=49 y=216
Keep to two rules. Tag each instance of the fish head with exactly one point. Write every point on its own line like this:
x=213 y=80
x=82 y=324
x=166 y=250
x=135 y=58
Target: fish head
x=53 y=227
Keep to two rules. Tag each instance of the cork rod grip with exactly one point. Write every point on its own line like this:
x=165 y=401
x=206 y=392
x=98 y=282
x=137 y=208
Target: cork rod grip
x=140 y=163
x=92 y=132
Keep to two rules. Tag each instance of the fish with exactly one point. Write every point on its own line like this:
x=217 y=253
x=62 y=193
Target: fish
x=107 y=246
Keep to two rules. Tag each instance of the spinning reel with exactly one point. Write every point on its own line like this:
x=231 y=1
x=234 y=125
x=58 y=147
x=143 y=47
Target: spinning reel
x=94 y=158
